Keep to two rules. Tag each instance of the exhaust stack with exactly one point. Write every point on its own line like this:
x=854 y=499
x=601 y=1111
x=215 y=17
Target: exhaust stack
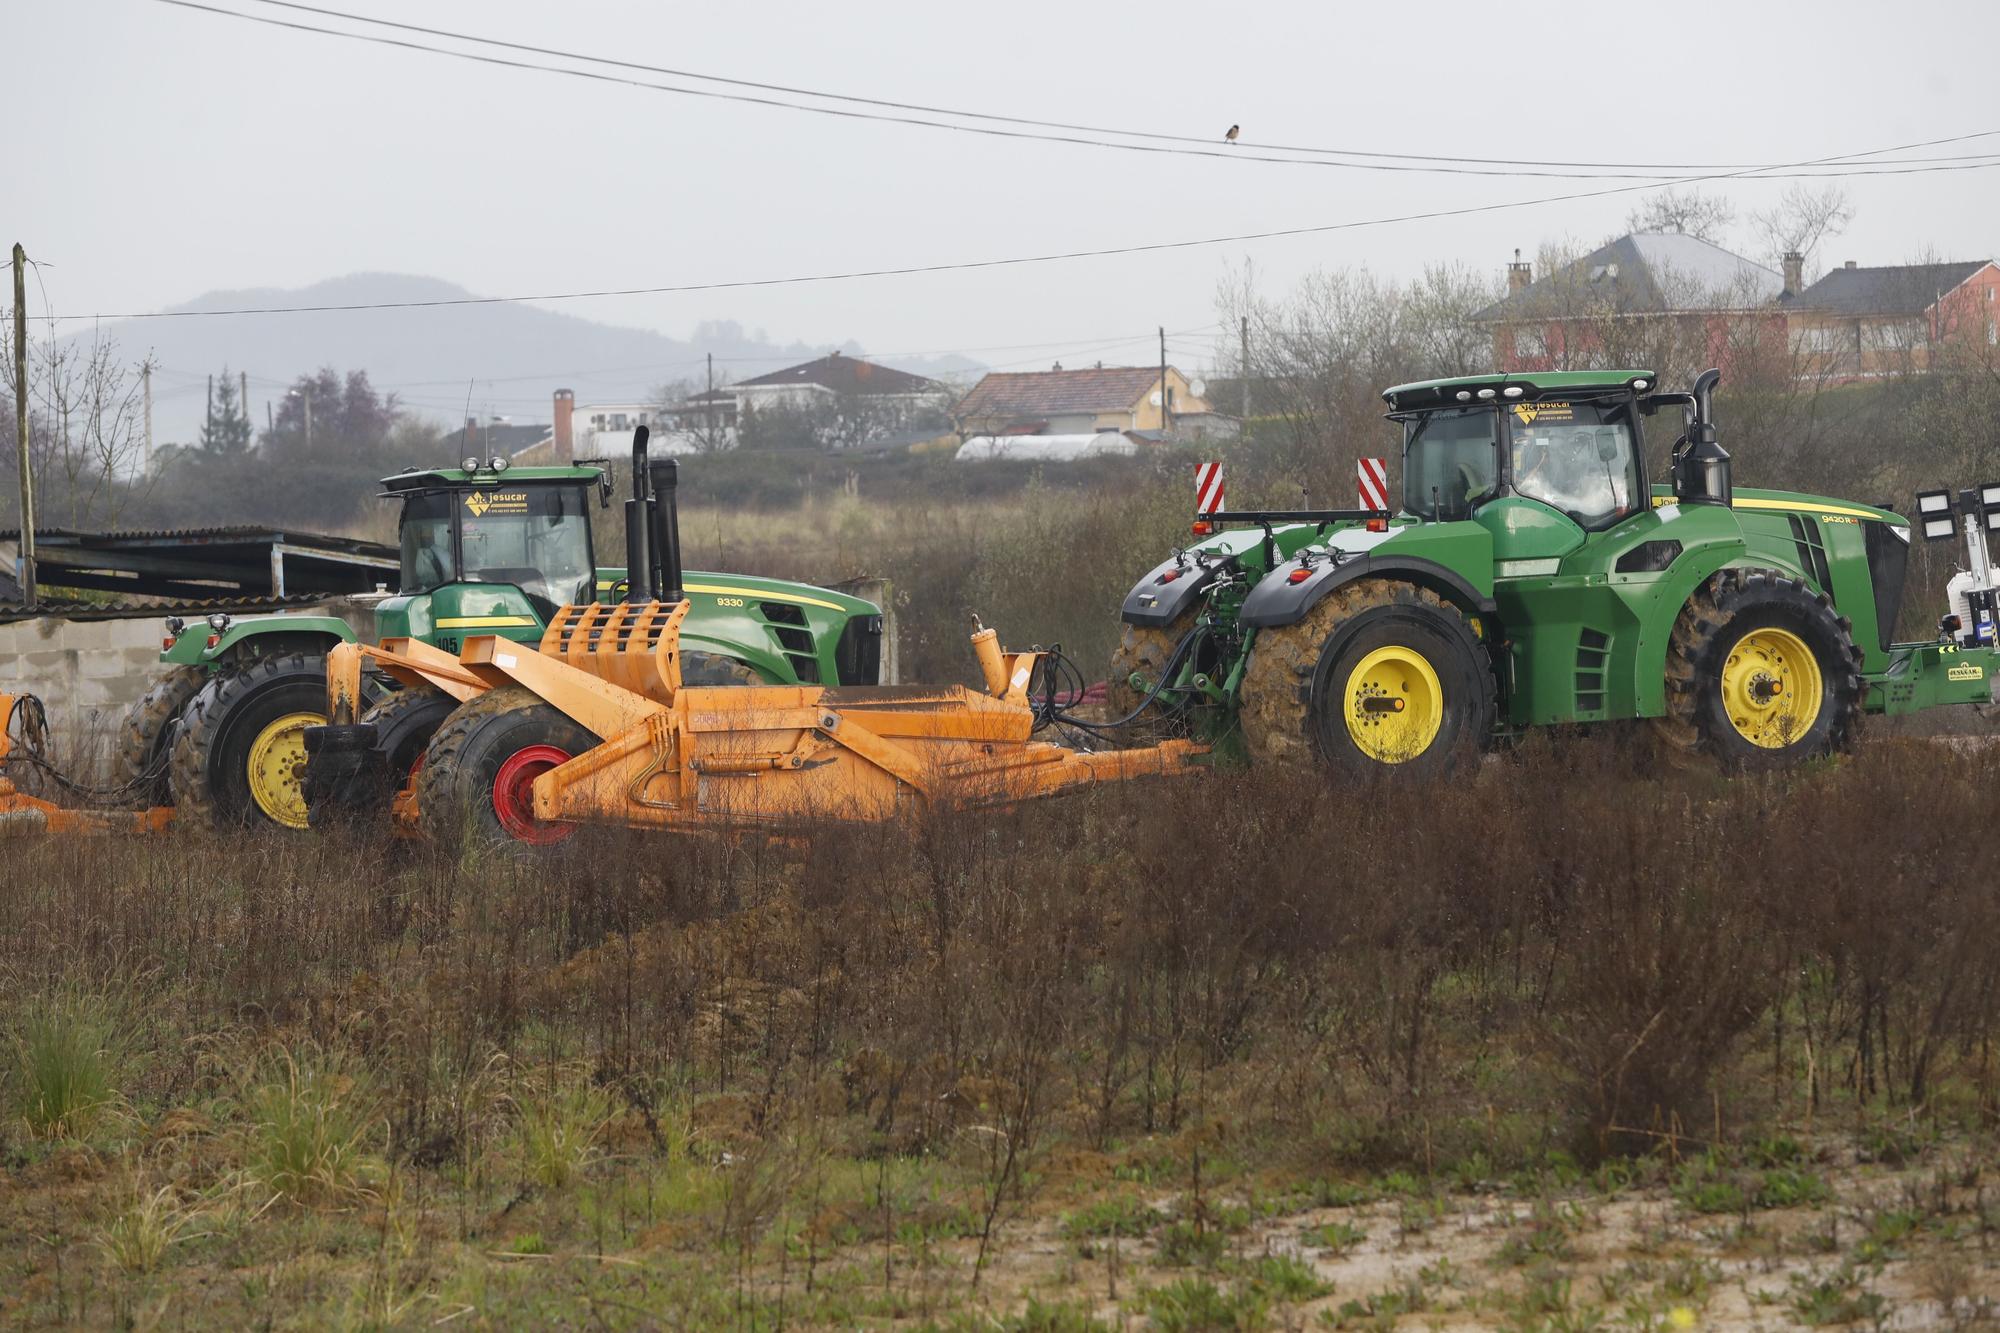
x=666 y=474
x=1701 y=472
x=638 y=563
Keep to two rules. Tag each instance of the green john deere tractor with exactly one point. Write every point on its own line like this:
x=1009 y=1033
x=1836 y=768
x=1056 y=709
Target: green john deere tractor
x=485 y=550
x=1534 y=574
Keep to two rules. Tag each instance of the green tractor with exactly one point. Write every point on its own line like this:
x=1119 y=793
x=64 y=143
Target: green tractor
x=1534 y=574
x=486 y=549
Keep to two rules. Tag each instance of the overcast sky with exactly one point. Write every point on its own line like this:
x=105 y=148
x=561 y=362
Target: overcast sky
x=168 y=152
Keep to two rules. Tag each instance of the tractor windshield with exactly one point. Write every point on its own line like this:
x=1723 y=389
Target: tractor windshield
x=534 y=537
x=1450 y=462
x=1576 y=457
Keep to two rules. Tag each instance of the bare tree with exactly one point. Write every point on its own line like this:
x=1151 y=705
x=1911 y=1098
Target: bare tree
x=1802 y=219
x=1689 y=212
x=86 y=427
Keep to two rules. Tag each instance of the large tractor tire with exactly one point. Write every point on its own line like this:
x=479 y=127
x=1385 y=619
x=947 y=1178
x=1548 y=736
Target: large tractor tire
x=478 y=775
x=1145 y=649
x=1761 y=672
x=1377 y=677
x=240 y=759
x=355 y=771
x=145 y=739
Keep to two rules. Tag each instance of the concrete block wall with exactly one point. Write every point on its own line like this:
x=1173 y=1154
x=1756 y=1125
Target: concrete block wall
x=89 y=672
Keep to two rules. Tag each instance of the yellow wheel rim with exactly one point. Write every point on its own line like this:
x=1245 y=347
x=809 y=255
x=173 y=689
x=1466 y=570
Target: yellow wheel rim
x=276 y=770
x=1393 y=704
x=1771 y=688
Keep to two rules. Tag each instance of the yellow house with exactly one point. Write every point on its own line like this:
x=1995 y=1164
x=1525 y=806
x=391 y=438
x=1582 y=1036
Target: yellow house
x=1077 y=402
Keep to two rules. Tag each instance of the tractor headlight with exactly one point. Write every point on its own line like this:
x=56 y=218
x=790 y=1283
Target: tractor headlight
x=497 y=463
x=219 y=621
x=469 y=464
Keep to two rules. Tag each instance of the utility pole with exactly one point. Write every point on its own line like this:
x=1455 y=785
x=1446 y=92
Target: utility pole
x=208 y=430
x=146 y=378
x=1166 y=422
x=309 y=418
x=270 y=422
x=1245 y=371
x=708 y=409
x=243 y=398
x=27 y=548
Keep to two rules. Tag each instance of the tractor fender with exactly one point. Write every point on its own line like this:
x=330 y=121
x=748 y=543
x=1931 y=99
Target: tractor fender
x=272 y=634
x=1276 y=600
x=1682 y=581
x=1157 y=599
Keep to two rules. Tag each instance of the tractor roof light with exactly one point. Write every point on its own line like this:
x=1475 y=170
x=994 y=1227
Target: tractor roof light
x=1463 y=395
x=1640 y=386
x=219 y=621
x=1486 y=393
x=496 y=464
x=1512 y=391
x=469 y=464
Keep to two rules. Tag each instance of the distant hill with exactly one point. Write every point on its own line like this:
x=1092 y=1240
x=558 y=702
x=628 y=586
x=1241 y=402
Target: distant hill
x=514 y=355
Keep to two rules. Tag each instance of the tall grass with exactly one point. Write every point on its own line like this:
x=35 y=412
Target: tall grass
x=69 y=1053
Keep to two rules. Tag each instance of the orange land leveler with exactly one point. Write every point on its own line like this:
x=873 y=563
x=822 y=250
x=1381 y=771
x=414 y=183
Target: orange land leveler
x=597 y=726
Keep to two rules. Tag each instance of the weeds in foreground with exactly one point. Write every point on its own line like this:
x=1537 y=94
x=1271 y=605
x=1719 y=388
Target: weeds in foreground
x=312 y=1122
x=69 y=1049
x=137 y=1239
x=557 y=1131
x=1196 y=1305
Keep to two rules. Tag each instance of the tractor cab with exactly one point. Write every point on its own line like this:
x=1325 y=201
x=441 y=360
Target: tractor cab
x=1567 y=441
x=490 y=549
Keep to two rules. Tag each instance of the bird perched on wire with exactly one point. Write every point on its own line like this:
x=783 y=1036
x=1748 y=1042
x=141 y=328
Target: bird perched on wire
x=1231 y=136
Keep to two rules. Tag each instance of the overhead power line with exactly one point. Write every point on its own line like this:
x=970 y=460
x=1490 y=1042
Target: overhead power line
x=1029 y=121
x=1767 y=172
x=1012 y=261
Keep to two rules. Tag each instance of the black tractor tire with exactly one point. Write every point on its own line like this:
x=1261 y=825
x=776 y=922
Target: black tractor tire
x=1145 y=649
x=219 y=734
x=458 y=789
x=1293 y=706
x=404 y=722
x=380 y=757
x=1732 y=605
x=145 y=738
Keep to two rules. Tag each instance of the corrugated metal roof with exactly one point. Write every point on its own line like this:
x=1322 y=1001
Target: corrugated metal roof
x=72 y=538
x=1888 y=289
x=141 y=608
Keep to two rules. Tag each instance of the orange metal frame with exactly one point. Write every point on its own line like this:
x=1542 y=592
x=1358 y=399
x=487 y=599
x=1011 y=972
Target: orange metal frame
x=743 y=757
x=22 y=813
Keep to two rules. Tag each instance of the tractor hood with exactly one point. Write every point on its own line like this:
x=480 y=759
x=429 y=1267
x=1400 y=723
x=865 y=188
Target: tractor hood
x=1747 y=501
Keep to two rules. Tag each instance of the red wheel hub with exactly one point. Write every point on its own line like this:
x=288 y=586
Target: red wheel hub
x=514 y=795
